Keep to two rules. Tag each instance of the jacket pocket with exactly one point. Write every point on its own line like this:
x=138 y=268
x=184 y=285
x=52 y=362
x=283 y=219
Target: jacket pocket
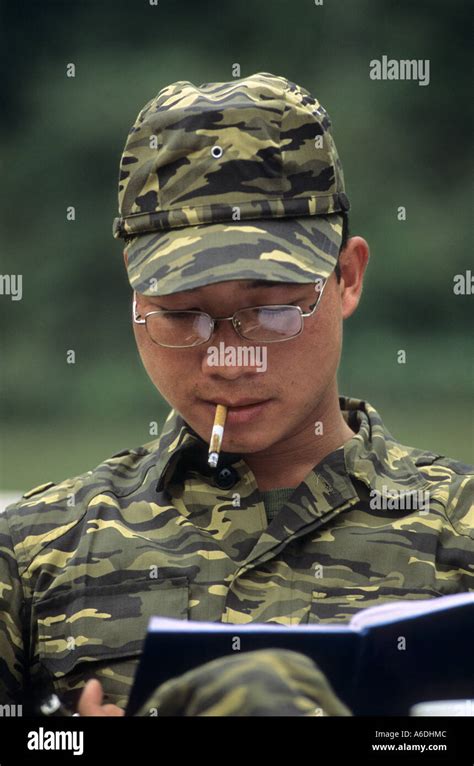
x=103 y=623
x=340 y=604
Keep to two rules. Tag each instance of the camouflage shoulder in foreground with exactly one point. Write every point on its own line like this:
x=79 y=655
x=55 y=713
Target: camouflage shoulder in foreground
x=265 y=682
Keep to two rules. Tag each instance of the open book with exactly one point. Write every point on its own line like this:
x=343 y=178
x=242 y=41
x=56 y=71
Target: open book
x=384 y=660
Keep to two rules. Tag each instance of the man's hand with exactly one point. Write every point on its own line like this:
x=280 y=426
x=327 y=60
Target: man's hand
x=90 y=701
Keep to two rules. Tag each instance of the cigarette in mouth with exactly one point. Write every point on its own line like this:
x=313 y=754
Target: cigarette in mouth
x=217 y=435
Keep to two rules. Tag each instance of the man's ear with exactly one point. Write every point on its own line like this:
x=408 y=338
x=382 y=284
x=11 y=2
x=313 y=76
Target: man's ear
x=353 y=263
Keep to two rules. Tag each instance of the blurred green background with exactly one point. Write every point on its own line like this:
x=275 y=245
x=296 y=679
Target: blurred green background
x=400 y=144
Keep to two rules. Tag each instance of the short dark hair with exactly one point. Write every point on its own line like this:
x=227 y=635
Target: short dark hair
x=345 y=237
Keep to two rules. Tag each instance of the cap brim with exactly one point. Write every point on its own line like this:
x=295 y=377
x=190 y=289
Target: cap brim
x=286 y=249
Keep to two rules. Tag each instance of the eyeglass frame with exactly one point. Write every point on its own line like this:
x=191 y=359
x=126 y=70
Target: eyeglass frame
x=231 y=318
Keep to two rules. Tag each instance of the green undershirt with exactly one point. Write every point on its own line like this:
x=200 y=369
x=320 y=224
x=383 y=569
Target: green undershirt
x=274 y=499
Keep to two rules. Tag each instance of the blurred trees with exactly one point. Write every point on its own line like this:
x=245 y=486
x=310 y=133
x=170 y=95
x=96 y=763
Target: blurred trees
x=400 y=144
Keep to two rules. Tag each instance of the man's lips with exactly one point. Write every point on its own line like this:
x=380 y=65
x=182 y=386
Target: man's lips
x=241 y=411
x=236 y=403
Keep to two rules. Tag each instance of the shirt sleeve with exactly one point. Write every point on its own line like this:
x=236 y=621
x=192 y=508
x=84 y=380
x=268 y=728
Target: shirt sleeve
x=12 y=653
x=456 y=553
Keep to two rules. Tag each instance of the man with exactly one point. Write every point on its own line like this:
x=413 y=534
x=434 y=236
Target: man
x=233 y=209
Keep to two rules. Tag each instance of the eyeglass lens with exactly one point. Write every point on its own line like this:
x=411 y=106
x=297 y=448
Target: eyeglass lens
x=191 y=328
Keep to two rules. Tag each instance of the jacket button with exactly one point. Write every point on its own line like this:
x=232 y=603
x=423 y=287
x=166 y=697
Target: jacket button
x=226 y=478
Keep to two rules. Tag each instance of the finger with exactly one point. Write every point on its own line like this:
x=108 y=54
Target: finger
x=90 y=701
x=112 y=710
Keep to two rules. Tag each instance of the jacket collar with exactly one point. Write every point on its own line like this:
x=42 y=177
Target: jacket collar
x=372 y=456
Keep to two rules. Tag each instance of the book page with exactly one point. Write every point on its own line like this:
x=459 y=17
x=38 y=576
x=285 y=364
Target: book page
x=397 y=610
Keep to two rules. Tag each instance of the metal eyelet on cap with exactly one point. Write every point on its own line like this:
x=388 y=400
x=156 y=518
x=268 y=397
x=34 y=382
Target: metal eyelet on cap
x=217 y=151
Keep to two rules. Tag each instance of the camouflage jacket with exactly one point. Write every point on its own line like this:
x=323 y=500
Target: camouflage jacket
x=155 y=531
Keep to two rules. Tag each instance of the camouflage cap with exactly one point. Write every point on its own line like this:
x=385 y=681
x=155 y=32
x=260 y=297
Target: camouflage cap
x=230 y=180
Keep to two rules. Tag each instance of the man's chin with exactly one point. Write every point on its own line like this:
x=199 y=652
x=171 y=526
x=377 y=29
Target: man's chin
x=247 y=444
x=240 y=443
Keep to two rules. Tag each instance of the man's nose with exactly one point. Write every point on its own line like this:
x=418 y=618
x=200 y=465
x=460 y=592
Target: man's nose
x=229 y=355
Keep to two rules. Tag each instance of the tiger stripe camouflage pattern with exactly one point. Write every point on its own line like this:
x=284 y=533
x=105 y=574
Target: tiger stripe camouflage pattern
x=151 y=531
x=211 y=174
x=258 y=683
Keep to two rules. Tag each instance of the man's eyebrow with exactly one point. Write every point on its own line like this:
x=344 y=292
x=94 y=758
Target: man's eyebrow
x=267 y=283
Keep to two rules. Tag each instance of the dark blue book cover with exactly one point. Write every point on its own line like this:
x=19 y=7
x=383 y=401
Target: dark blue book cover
x=385 y=660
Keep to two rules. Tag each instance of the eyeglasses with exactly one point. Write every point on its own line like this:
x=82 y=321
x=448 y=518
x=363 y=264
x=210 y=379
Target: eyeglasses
x=263 y=324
